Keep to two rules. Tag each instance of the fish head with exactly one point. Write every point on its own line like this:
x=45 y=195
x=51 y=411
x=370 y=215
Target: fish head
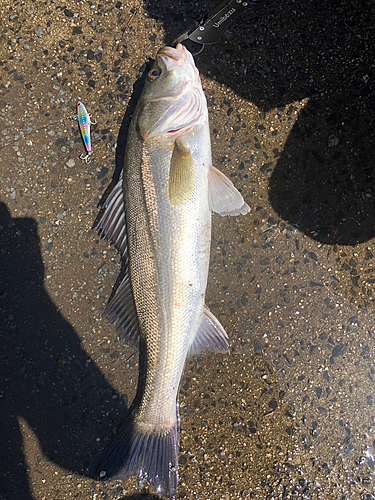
x=172 y=99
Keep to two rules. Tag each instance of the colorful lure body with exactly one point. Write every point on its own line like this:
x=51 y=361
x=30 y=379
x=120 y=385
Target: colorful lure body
x=84 y=123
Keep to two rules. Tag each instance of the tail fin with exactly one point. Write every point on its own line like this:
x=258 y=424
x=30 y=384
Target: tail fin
x=133 y=452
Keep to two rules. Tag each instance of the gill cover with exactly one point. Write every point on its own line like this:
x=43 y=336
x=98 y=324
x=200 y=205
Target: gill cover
x=171 y=101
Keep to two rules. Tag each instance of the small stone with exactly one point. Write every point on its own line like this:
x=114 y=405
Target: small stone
x=39 y=31
x=338 y=350
x=333 y=141
x=70 y=163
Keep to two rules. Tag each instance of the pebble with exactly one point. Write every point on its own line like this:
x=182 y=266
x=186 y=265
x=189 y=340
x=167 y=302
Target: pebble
x=333 y=141
x=70 y=163
x=39 y=31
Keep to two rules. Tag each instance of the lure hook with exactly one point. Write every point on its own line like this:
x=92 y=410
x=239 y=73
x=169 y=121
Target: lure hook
x=86 y=158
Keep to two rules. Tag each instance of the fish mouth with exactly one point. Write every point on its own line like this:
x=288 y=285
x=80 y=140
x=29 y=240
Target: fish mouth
x=173 y=57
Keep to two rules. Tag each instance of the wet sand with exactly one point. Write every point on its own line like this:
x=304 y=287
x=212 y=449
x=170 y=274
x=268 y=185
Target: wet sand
x=289 y=412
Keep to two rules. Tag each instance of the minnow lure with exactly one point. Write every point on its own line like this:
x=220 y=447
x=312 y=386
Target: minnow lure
x=84 y=123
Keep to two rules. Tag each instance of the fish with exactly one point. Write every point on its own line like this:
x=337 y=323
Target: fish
x=158 y=216
x=84 y=122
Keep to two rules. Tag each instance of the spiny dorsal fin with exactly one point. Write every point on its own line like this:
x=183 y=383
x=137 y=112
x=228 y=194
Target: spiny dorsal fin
x=181 y=175
x=211 y=336
x=111 y=225
x=223 y=197
x=122 y=313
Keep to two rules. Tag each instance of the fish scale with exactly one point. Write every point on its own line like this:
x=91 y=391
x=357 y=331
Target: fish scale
x=166 y=236
x=164 y=198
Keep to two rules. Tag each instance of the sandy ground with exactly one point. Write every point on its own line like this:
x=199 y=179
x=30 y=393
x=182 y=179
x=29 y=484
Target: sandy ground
x=289 y=413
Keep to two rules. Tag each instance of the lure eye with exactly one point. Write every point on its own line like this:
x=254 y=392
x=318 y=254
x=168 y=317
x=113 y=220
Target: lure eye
x=153 y=74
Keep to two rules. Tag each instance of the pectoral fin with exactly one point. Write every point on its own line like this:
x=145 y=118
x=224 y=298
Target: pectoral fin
x=223 y=197
x=182 y=175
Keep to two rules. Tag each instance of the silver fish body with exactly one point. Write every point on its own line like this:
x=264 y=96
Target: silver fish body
x=165 y=199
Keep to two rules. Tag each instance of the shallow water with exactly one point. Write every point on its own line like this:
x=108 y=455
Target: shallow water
x=289 y=413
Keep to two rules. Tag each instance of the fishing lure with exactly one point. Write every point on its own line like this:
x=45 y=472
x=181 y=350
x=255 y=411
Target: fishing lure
x=84 y=122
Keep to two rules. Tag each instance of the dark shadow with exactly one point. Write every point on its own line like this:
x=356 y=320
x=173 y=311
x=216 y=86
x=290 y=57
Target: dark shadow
x=120 y=156
x=290 y=50
x=324 y=183
x=283 y=51
x=122 y=140
x=46 y=376
x=122 y=137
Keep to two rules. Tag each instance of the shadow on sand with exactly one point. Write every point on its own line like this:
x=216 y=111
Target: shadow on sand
x=46 y=377
x=282 y=52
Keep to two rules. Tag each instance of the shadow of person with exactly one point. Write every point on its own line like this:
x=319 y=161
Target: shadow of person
x=283 y=52
x=46 y=377
x=324 y=183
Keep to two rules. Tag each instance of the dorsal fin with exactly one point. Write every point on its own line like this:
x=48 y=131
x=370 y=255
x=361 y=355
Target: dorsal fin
x=112 y=224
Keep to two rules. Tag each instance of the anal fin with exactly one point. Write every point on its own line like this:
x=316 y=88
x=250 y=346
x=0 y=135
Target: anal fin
x=211 y=336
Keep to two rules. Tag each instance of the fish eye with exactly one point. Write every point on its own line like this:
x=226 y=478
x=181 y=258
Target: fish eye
x=153 y=74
